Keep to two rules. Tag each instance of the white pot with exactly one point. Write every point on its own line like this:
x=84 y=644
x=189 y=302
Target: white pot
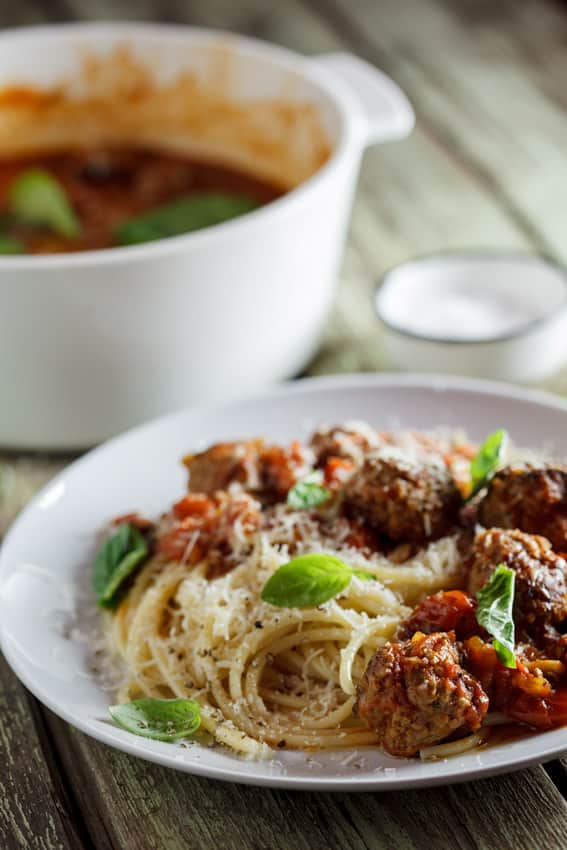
x=92 y=343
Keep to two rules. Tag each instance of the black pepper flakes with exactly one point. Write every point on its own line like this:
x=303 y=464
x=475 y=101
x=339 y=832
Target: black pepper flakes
x=281 y=744
x=258 y=624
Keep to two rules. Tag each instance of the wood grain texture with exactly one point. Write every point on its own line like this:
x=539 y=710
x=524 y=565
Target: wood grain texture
x=488 y=101
x=20 y=477
x=130 y=803
x=485 y=167
x=35 y=813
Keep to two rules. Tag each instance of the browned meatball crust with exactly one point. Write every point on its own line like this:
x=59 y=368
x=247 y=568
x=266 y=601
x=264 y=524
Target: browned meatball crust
x=415 y=693
x=531 y=499
x=403 y=500
x=350 y=442
x=266 y=471
x=223 y=464
x=540 y=598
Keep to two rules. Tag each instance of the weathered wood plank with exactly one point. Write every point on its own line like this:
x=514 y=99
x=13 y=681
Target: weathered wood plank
x=557 y=771
x=107 y=10
x=129 y=804
x=20 y=477
x=24 y=13
x=35 y=813
x=490 y=95
x=476 y=89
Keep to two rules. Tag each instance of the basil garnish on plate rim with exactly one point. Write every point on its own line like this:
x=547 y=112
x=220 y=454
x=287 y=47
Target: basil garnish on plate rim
x=160 y=719
x=116 y=559
x=494 y=612
x=308 y=492
x=487 y=460
x=309 y=580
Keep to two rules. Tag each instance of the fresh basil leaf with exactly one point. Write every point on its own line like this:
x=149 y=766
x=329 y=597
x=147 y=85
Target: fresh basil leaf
x=184 y=215
x=9 y=245
x=364 y=575
x=486 y=461
x=307 y=581
x=308 y=492
x=494 y=612
x=37 y=198
x=160 y=719
x=117 y=558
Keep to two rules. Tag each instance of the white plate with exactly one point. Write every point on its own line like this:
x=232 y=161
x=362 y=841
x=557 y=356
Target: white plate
x=50 y=546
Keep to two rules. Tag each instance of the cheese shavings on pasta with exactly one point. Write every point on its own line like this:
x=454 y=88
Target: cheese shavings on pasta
x=268 y=677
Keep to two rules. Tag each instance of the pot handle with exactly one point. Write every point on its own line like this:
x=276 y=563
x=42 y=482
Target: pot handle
x=386 y=112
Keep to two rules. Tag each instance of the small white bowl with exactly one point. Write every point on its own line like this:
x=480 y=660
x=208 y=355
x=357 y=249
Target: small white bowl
x=490 y=315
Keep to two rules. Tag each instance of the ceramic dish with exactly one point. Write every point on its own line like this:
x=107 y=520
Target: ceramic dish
x=46 y=557
x=95 y=342
x=490 y=315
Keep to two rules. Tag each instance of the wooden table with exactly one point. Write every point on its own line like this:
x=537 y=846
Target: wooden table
x=485 y=167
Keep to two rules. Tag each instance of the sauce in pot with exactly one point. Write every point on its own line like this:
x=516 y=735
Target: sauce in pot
x=121 y=197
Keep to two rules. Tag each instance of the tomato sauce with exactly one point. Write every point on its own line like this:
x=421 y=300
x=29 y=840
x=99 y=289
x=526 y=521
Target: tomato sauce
x=109 y=186
x=505 y=733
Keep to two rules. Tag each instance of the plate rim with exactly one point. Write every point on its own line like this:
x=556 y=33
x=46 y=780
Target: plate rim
x=382 y=782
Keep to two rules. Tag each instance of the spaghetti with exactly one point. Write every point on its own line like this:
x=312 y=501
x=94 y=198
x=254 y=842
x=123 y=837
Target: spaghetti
x=344 y=593
x=268 y=677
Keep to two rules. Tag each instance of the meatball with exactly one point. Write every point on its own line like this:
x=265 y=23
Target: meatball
x=540 y=598
x=447 y=610
x=403 y=500
x=350 y=442
x=281 y=468
x=415 y=693
x=268 y=472
x=531 y=499
x=223 y=464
